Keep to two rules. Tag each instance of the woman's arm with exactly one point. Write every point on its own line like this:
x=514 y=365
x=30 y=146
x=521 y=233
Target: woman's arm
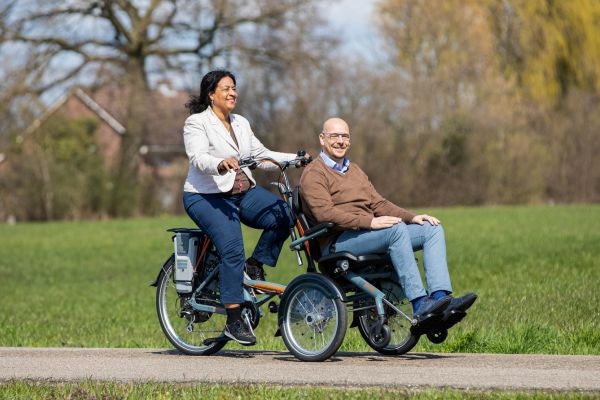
x=197 y=146
x=257 y=149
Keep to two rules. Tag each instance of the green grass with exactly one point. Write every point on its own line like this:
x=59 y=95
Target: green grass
x=108 y=390
x=85 y=284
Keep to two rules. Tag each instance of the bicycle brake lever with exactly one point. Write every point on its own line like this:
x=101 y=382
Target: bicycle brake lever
x=248 y=162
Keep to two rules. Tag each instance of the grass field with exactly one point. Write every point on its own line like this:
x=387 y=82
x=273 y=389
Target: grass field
x=85 y=284
x=108 y=391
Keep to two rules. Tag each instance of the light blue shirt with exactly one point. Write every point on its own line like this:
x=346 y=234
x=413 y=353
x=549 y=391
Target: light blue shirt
x=341 y=168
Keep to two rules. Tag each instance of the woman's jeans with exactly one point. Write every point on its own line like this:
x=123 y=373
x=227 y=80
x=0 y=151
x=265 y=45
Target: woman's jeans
x=220 y=215
x=400 y=241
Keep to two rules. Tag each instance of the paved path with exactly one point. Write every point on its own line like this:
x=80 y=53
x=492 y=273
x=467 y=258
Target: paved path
x=481 y=371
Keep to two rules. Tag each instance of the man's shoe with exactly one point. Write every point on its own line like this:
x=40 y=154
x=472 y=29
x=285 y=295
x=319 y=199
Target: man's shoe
x=431 y=311
x=255 y=272
x=238 y=331
x=457 y=309
x=461 y=303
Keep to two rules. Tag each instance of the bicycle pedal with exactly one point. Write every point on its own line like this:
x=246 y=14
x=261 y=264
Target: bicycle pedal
x=273 y=307
x=218 y=339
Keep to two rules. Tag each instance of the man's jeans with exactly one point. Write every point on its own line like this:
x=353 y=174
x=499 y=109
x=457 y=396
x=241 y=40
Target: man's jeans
x=220 y=215
x=400 y=241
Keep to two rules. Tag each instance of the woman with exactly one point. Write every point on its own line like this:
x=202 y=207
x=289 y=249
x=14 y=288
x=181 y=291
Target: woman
x=218 y=195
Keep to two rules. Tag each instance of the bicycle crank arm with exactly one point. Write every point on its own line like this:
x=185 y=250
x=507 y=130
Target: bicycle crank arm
x=222 y=338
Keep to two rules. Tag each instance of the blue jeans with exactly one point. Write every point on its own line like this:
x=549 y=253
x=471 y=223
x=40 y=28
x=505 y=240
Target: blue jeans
x=220 y=215
x=401 y=241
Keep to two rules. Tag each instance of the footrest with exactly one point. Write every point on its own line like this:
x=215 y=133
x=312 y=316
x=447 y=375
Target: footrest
x=437 y=323
x=430 y=322
x=453 y=318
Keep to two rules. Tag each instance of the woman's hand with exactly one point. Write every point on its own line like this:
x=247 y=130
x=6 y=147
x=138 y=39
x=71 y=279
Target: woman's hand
x=420 y=219
x=302 y=160
x=228 y=164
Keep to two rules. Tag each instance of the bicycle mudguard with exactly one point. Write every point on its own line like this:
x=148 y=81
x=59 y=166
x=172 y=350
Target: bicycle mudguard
x=169 y=261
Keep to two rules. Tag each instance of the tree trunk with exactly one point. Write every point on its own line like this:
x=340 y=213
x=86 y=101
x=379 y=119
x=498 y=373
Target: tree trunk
x=124 y=200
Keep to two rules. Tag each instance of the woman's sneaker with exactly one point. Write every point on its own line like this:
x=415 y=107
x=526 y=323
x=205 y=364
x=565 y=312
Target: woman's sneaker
x=255 y=272
x=239 y=331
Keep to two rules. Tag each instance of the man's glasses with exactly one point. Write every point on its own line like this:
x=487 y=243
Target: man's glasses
x=335 y=136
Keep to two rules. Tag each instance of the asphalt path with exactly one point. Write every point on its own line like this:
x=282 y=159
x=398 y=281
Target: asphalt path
x=413 y=370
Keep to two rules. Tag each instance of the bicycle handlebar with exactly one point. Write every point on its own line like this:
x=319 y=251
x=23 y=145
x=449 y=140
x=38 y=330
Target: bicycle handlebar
x=299 y=161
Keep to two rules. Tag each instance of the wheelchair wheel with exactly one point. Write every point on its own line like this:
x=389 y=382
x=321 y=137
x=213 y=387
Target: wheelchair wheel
x=437 y=336
x=185 y=327
x=313 y=320
x=402 y=340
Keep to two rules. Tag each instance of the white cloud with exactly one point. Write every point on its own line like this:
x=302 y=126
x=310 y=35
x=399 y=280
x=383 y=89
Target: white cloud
x=353 y=20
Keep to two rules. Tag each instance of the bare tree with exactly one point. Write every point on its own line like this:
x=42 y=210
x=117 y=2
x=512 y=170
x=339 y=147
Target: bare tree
x=134 y=43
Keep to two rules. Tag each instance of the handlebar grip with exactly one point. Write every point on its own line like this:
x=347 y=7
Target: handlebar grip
x=303 y=161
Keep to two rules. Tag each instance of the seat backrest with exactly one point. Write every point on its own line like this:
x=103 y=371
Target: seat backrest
x=313 y=247
x=297 y=207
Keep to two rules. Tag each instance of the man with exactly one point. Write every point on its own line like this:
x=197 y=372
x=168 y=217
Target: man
x=333 y=189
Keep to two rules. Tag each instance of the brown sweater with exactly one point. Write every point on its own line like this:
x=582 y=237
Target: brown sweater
x=349 y=201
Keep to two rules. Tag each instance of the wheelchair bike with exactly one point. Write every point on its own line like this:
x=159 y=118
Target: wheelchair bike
x=313 y=308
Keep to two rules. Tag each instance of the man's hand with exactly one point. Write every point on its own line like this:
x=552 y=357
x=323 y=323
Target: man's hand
x=228 y=164
x=419 y=219
x=384 y=222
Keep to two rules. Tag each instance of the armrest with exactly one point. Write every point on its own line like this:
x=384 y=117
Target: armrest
x=316 y=228
x=313 y=232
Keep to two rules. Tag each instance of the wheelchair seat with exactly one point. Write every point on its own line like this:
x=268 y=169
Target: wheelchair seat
x=333 y=263
x=329 y=264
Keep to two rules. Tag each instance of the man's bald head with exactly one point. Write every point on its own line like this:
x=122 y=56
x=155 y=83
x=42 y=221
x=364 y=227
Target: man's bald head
x=335 y=138
x=335 y=125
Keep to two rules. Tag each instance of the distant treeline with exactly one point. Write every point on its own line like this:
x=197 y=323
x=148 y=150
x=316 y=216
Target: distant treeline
x=468 y=102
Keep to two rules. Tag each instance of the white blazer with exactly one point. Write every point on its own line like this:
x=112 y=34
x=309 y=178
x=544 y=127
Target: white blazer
x=207 y=142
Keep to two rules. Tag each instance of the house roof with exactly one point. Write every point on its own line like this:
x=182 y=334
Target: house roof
x=165 y=116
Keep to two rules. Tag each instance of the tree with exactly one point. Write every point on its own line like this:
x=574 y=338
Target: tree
x=135 y=43
x=551 y=47
x=520 y=76
x=64 y=171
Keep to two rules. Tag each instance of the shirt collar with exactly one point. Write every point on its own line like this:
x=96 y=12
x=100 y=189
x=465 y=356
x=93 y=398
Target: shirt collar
x=340 y=167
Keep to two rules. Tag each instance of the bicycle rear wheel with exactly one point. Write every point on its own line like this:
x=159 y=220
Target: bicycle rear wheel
x=185 y=327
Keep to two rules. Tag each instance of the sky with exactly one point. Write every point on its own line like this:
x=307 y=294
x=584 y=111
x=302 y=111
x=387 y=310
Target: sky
x=353 y=19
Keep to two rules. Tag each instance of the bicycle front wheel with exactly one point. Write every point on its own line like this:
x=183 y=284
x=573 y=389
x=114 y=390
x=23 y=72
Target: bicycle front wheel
x=185 y=327
x=314 y=322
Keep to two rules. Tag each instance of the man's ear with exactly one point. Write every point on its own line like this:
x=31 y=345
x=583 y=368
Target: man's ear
x=321 y=140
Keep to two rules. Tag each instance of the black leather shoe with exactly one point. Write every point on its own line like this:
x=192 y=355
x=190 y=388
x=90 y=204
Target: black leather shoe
x=461 y=303
x=430 y=308
x=429 y=314
x=457 y=309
